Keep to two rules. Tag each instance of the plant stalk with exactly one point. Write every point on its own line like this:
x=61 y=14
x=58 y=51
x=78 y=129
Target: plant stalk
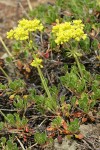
x=43 y=80
x=5 y=47
x=79 y=67
x=29 y=5
x=8 y=78
x=4 y=116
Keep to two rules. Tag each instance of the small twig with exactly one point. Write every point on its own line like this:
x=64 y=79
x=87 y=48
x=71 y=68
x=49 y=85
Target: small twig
x=42 y=122
x=41 y=39
x=29 y=5
x=8 y=78
x=32 y=146
x=20 y=143
x=48 y=77
x=5 y=47
x=15 y=131
x=23 y=10
x=3 y=77
x=8 y=110
x=4 y=116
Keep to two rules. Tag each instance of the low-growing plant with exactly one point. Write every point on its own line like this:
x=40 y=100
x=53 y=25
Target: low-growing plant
x=40 y=138
x=16 y=121
x=78 y=90
x=74 y=126
x=8 y=144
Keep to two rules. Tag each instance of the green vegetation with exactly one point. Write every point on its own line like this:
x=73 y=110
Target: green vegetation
x=39 y=100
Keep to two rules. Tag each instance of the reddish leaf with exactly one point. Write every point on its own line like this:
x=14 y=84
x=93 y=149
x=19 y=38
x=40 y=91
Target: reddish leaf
x=51 y=135
x=84 y=119
x=65 y=132
x=50 y=129
x=26 y=129
x=46 y=55
x=59 y=138
x=19 y=64
x=77 y=114
x=99 y=46
x=71 y=119
x=25 y=138
x=64 y=124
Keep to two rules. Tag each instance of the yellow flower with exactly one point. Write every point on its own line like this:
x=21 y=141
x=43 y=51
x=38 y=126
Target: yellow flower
x=24 y=27
x=20 y=34
x=77 y=22
x=10 y=34
x=68 y=30
x=31 y=25
x=37 y=62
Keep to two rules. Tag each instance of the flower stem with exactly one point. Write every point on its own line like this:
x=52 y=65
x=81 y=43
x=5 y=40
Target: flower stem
x=43 y=80
x=29 y=5
x=4 y=116
x=78 y=64
x=8 y=78
x=5 y=47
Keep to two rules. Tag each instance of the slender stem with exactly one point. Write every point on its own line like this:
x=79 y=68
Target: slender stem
x=79 y=67
x=43 y=80
x=29 y=4
x=23 y=10
x=8 y=78
x=41 y=39
x=22 y=146
x=4 y=116
x=7 y=50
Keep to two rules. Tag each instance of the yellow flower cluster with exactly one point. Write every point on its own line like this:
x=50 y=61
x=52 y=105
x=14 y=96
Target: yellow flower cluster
x=68 y=30
x=37 y=62
x=24 y=27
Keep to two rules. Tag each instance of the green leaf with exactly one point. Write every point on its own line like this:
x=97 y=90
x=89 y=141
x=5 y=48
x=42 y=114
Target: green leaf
x=56 y=123
x=73 y=100
x=11 y=145
x=40 y=138
x=17 y=85
x=19 y=102
x=74 y=126
x=11 y=119
x=1 y=125
x=3 y=140
x=95 y=44
x=83 y=102
x=2 y=87
x=62 y=98
x=85 y=45
x=51 y=104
